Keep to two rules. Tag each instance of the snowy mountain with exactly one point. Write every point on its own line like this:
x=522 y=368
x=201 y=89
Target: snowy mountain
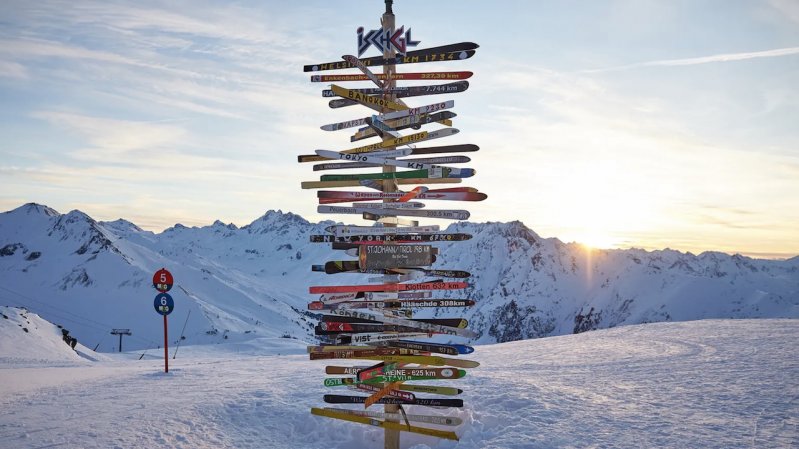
x=236 y=283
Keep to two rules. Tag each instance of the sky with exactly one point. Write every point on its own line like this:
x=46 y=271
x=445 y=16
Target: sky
x=615 y=123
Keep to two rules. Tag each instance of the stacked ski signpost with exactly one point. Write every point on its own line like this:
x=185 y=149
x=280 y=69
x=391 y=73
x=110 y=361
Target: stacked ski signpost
x=371 y=330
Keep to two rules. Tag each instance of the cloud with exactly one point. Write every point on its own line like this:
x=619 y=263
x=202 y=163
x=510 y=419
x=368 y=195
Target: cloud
x=112 y=137
x=13 y=70
x=787 y=8
x=726 y=57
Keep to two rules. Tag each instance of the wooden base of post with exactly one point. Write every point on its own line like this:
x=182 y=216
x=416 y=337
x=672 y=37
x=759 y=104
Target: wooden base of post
x=392 y=437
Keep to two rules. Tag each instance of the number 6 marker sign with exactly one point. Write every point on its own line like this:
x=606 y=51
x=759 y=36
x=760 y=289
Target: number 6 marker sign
x=164 y=304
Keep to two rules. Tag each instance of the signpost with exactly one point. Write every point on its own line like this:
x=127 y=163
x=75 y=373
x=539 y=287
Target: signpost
x=163 y=304
x=385 y=248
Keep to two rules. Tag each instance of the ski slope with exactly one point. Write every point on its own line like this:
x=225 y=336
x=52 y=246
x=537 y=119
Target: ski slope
x=701 y=384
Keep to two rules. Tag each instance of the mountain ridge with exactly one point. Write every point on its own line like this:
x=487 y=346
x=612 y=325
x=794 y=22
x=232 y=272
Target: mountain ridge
x=239 y=282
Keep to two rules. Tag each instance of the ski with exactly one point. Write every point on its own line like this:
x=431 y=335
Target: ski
x=462 y=75
x=448 y=214
x=343 y=399
x=433 y=272
x=453 y=322
x=410 y=112
x=461 y=148
x=377 y=337
x=377 y=159
x=432 y=303
x=412 y=121
x=387 y=287
x=427 y=160
x=332 y=298
x=428 y=327
x=347 y=197
x=338 y=267
x=444 y=172
x=381 y=390
x=394 y=205
x=425 y=347
x=388 y=144
x=356 y=183
x=376 y=102
x=376 y=370
x=449 y=52
x=449 y=435
x=393 y=220
x=342 y=230
x=410 y=174
x=393 y=238
x=462 y=349
x=391 y=304
x=428 y=373
x=360 y=353
x=410 y=91
x=355 y=328
x=373 y=296
x=319 y=305
x=428 y=419
x=430 y=360
x=355 y=62
x=326 y=348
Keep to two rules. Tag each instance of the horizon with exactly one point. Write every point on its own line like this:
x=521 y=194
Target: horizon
x=614 y=124
x=589 y=248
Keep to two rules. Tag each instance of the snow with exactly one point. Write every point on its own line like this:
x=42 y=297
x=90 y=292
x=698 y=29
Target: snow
x=700 y=384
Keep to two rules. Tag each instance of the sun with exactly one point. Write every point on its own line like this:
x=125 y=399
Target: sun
x=596 y=239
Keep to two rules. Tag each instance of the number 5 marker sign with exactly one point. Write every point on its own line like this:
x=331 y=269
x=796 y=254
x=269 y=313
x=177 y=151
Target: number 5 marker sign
x=162 y=280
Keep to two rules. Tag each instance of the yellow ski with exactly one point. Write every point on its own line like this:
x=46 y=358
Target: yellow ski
x=374 y=102
x=449 y=435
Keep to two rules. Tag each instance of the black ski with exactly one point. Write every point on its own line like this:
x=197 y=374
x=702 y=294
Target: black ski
x=432 y=402
x=450 y=52
x=448 y=88
x=440 y=160
x=349 y=266
x=396 y=238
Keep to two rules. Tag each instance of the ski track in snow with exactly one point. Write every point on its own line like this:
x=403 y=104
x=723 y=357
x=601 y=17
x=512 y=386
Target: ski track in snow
x=705 y=384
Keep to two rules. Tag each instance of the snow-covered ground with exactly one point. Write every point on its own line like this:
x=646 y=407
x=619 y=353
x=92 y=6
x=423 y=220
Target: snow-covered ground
x=700 y=384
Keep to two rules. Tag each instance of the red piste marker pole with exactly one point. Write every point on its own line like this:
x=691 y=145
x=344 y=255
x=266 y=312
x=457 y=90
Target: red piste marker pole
x=166 y=350
x=162 y=281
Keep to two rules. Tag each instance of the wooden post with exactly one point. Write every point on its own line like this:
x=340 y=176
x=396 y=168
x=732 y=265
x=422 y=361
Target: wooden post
x=392 y=437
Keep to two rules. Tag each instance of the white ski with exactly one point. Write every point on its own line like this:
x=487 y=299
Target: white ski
x=392 y=115
x=343 y=230
x=379 y=159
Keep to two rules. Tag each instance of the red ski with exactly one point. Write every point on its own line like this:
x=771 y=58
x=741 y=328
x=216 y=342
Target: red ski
x=387 y=287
